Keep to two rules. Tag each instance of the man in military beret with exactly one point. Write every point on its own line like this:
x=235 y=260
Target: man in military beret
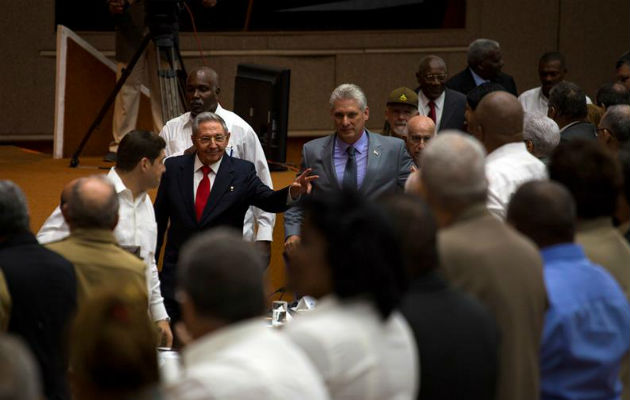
x=402 y=104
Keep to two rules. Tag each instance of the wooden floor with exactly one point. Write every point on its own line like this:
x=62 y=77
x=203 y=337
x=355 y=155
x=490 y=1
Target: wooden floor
x=42 y=178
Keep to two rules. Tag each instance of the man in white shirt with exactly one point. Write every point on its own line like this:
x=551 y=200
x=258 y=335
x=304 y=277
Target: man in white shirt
x=139 y=166
x=234 y=354
x=498 y=124
x=551 y=70
x=202 y=91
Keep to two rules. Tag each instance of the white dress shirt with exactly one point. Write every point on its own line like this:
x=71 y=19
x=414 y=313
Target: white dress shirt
x=136 y=227
x=534 y=101
x=244 y=144
x=424 y=109
x=359 y=355
x=198 y=175
x=507 y=168
x=247 y=360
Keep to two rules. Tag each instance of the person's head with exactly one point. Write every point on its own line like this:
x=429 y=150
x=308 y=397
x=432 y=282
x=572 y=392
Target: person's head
x=420 y=130
x=202 y=90
x=453 y=174
x=90 y=203
x=14 y=217
x=623 y=70
x=592 y=175
x=611 y=94
x=567 y=103
x=498 y=120
x=349 y=249
x=485 y=58
x=541 y=134
x=349 y=111
x=19 y=374
x=551 y=70
x=544 y=211
x=402 y=104
x=431 y=76
x=416 y=232
x=614 y=128
x=474 y=97
x=142 y=152
x=113 y=347
x=220 y=281
x=210 y=136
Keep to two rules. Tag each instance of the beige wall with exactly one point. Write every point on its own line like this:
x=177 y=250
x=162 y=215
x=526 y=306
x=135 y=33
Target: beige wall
x=590 y=35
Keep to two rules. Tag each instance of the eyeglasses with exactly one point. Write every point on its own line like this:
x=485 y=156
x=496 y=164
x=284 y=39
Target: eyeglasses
x=419 y=139
x=432 y=77
x=216 y=138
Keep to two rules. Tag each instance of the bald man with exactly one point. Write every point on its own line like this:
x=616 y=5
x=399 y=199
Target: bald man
x=498 y=124
x=90 y=208
x=202 y=94
x=445 y=106
x=420 y=130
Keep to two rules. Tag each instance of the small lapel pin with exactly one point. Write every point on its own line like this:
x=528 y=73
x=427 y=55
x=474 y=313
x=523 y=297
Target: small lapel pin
x=376 y=153
x=231 y=188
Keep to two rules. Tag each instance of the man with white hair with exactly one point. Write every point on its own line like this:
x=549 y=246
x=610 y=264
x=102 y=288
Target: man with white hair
x=486 y=258
x=352 y=158
x=541 y=135
x=485 y=62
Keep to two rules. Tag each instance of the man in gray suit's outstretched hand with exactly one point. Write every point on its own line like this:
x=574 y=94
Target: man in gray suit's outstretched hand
x=352 y=158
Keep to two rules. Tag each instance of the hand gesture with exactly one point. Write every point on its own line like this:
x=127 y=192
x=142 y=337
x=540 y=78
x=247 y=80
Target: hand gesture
x=302 y=184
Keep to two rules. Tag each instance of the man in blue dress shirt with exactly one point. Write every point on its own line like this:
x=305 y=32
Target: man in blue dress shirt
x=587 y=326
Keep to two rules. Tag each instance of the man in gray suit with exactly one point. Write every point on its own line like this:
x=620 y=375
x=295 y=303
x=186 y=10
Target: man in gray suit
x=486 y=258
x=351 y=158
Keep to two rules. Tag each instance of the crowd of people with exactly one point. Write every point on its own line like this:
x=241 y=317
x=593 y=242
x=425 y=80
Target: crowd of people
x=478 y=247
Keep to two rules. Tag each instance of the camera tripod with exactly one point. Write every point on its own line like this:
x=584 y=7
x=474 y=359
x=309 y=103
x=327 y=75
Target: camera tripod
x=170 y=78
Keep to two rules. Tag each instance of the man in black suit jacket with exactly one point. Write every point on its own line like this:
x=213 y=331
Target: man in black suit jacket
x=484 y=65
x=207 y=189
x=38 y=292
x=567 y=106
x=449 y=105
x=457 y=337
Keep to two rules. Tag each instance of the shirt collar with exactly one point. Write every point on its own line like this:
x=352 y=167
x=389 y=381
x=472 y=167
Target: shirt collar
x=214 y=342
x=567 y=126
x=360 y=145
x=120 y=187
x=439 y=102
x=595 y=223
x=478 y=80
x=214 y=166
x=541 y=94
x=563 y=251
x=94 y=235
x=506 y=149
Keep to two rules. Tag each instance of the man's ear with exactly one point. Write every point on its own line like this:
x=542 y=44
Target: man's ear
x=367 y=113
x=217 y=91
x=65 y=213
x=530 y=146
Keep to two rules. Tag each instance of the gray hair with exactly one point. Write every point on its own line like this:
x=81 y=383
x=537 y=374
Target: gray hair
x=19 y=374
x=478 y=50
x=13 y=210
x=453 y=170
x=543 y=132
x=87 y=210
x=208 y=116
x=223 y=275
x=617 y=119
x=348 y=91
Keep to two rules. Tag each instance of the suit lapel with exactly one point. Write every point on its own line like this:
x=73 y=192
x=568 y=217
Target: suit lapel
x=186 y=185
x=374 y=157
x=446 y=109
x=328 y=163
x=219 y=187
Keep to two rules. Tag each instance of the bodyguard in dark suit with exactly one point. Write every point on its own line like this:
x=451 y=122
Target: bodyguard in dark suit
x=208 y=189
x=457 y=337
x=567 y=106
x=351 y=158
x=446 y=107
x=40 y=295
x=484 y=65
